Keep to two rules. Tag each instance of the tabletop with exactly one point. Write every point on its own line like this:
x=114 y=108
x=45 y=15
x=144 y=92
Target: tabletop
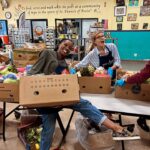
x=108 y=102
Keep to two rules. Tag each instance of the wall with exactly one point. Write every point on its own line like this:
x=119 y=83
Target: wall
x=132 y=45
x=51 y=9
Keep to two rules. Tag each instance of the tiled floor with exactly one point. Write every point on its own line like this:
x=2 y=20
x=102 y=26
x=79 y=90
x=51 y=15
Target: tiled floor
x=12 y=141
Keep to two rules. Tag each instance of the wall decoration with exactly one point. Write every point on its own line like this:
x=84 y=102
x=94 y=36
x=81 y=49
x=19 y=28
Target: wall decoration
x=134 y=26
x=145 y=26
x=3 y=27
x=119 y=19
x=4 y=4
x=38 y=29
x=120 y=2
x=120 y=11
x=146 y=2
x=145 y=11
x=22 y=20
x=105 y=23
x=133 y=2
x=119 y=26
x=132 y=17
x=8 y=15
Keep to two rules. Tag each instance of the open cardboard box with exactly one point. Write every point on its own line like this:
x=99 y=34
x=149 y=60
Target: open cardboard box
x=9 y=92
x=49 y=90
x=23 y=63
x=23 y=54
x=131 y=91
x=95 y=85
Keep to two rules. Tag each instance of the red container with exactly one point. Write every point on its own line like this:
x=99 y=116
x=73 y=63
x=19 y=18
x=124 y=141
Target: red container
x=5 y=39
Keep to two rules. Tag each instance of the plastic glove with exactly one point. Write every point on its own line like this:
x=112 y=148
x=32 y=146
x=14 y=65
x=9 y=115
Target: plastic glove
x=120 y=82
x=72 y=71
x=110 y=72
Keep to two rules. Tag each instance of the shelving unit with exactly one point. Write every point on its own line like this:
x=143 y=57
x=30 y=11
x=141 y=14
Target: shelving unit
x=19 y=36
x=50 y=38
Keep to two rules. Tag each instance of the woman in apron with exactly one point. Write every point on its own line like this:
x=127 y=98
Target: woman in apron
x=103 y=54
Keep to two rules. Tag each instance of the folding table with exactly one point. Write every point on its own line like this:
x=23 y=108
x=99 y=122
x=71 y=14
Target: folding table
x=109 y=104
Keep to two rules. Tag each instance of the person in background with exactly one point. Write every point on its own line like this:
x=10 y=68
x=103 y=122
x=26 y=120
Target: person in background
x=138 y=78
x=1 y=43
x=53 y=62
x=103 y=54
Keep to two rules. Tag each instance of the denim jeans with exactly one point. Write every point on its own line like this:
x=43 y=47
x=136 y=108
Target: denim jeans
x=49 y=120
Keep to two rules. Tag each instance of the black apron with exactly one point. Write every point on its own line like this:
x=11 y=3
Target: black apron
x=107 y=61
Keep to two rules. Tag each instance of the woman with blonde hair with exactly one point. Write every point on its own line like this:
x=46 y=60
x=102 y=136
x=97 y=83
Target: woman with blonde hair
x=101 y=54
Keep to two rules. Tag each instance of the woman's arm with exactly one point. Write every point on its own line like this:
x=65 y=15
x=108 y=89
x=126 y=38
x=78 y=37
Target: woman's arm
x=140 y=77
x=84 y=62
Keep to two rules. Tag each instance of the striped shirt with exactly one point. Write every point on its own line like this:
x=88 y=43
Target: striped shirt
x=93 y=57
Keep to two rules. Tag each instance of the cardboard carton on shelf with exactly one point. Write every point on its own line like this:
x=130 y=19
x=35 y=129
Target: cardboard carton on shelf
x=9 y=92
x=49 y=90
x=4 y=58
x=25 y=54
x=23 y=63
x=95 y=85
x=134 y=92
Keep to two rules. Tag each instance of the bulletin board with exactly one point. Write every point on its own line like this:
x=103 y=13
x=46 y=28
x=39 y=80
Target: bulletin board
x=133 y=45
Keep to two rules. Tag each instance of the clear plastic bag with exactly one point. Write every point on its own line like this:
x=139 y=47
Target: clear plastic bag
x=93 y=140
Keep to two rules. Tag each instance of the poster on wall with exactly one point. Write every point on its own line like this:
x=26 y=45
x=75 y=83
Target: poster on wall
x=120 y=2
x=134 y=26
x=146 y=2
x=38 y=29
x=145 y=11
x=133 y=2
x=105 y=23
x=145 y=26
x=3 y=27
x=22 y=20
x=120 y=11
x=131 y=17
x=86 y=24
x=119 y=26
x=119 y=19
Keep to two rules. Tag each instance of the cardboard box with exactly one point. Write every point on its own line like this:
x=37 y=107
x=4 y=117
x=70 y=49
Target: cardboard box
x=9 y=92
x=128 y=92
x=4 y=58
x=95 y=85
x=25 y=54
x=23 y=63
x=49 y=90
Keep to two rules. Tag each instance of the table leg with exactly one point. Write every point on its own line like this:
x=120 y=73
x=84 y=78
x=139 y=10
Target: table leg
x=4 y=118
x=120 y=122
x=64 y=131
x=4 y=113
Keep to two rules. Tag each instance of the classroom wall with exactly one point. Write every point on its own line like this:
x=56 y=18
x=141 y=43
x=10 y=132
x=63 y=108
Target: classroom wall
x=51 y=9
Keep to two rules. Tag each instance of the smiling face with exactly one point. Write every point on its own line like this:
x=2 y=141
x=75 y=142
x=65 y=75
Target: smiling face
x=65 y=48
